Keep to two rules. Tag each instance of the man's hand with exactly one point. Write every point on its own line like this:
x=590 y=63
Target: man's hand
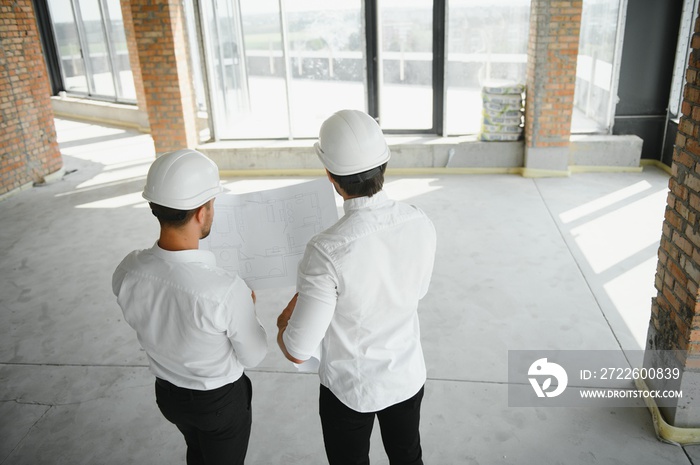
x=252 y=294
x=282 y=322
x=286 y=314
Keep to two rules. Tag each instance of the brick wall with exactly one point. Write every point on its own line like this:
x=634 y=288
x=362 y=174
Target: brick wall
x=28 y=147
x=675 y=311
x=159 y=28
x=675 y=318
x=551 y=71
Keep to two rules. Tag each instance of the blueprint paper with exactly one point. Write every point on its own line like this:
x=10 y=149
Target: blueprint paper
x=262 y=235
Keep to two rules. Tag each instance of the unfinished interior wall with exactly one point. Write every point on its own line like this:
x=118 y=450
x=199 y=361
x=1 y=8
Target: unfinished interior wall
x=675 y=315
x=28 y=147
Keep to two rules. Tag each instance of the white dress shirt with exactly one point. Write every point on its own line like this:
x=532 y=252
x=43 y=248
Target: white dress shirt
x=359 y=284
x=195 y=321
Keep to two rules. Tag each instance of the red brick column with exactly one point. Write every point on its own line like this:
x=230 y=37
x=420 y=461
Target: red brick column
x=159 y=27
x=675 y=312
x=28 y=147
x=551 y=80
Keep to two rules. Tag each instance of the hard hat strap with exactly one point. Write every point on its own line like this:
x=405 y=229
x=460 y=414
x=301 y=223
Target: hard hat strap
x=361 y=177
x=168 y=214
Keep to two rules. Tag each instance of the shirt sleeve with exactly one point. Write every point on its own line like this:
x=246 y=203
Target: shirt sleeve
x=247 y=335
x=431 y=237
x=118 y=275
x=317 y=284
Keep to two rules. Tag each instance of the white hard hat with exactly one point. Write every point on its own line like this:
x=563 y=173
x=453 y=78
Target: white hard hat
x=182 y=180
x=351 y=142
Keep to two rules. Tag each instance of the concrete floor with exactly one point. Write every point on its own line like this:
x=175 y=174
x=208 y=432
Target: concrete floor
x=522 y=264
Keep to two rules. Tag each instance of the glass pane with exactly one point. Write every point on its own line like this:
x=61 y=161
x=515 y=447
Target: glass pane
x=120 y=50
x=406 y=67
x=68 y=45
x=487 y=42
x=327 y=58
x=594 y=70
x=99 y=66
x=246 y=69
x=264 y=63
x=196 y=56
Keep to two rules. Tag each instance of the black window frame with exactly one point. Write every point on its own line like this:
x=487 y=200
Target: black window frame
x=53 y=60
x=438 y=67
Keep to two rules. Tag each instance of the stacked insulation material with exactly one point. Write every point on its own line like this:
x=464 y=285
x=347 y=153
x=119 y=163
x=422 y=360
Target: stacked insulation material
x=502 y=116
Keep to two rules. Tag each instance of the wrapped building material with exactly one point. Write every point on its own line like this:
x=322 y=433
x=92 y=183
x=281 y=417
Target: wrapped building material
x=502 y=114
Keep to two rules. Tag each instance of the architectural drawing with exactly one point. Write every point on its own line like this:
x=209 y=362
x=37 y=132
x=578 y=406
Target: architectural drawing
x=262 y=235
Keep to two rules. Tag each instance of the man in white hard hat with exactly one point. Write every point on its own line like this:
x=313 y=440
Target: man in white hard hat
x=195 y=321
x=358 y=286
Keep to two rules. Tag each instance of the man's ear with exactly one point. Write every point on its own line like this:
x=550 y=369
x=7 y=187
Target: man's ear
x=201 y=213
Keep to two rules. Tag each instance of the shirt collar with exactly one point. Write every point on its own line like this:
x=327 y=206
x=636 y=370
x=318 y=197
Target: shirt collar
x=184 y=256
x=365 y=202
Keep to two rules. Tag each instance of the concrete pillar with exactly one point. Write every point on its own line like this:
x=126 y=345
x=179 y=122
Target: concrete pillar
x=161 y=39
x=28 y=147
x=675 y=314
x=551 y=80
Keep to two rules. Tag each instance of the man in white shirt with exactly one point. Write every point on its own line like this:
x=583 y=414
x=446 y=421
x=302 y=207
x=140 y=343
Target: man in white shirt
x=358 y=286
x=195 y=321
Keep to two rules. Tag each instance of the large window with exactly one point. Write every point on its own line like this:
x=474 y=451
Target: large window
x=326 y=54
x=278 y=68
x=406 y=64
x=92 y=51
x=597 y=68
x=487 y=43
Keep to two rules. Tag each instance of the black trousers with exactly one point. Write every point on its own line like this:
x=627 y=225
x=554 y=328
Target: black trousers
x=346 y=433
x=216 y=424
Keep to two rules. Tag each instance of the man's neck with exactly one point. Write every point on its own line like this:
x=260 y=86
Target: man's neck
x=177 y=239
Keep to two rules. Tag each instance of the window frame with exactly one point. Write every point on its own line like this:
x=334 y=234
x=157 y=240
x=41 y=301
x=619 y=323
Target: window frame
x=680 y=66
x=373 y=74
x=53 y=58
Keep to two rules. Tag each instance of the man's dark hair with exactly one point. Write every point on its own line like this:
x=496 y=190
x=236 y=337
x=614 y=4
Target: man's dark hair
x=364 y=184
x=171 y=217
